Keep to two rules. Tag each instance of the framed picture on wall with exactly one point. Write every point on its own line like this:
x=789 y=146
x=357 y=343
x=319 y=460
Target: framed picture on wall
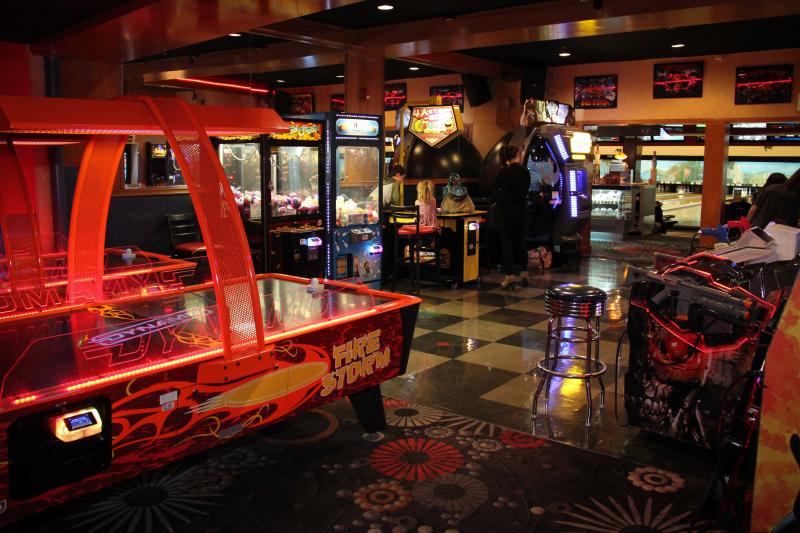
x=451 y=94
x=337 y=103
x=769 y=84
x=596 y=92
x=678 y=80
x=302 y=104
x=394 y=96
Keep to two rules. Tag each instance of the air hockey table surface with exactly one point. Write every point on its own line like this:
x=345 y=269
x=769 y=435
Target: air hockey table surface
x=62 y=352
x=94 y=395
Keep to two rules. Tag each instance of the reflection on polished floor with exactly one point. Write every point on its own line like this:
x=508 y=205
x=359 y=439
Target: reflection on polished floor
x=475 y=351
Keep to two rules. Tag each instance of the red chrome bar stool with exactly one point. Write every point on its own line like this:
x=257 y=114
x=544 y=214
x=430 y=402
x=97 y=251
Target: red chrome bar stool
x=419 y=238
x=578 y=303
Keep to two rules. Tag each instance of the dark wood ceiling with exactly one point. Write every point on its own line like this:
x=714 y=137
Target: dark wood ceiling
x=37 y=21
x=394 y=70
x=28 y=21
x=711 y=39
x=367 y=15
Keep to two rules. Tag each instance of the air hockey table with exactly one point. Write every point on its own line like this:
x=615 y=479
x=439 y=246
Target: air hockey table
x=104 y=374
x=96 y=394
x=127 y=271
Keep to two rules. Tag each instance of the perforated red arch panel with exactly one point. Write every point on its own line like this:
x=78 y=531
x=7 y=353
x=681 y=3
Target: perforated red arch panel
x=87 y=224
x=238 y=304
x=20 y=232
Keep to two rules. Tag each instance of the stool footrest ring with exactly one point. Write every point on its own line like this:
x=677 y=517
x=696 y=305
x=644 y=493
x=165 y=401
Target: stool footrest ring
x=600 y=368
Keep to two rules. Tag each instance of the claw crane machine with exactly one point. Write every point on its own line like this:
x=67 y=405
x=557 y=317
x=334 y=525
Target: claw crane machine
x=276 y=181
x=354 y=176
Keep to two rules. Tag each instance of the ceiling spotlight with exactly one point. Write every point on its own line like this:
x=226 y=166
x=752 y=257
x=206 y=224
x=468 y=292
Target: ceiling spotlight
x=340 y=75
x=281 y=81
x=413 y=68
x=678 y=45
x=564 y=54
x=234 y=35
x=385 y=7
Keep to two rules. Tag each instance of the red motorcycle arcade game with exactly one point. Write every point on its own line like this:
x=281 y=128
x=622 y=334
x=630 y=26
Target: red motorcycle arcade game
x=99 y=384
x=354 y=190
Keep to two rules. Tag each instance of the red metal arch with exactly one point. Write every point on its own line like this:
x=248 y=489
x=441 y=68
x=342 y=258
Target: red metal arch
x=18 y=225
x=238 y=304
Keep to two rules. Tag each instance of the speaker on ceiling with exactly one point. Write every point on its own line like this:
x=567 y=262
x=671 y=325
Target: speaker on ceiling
x=533 y=82
x=477 y=89
x=283 y=102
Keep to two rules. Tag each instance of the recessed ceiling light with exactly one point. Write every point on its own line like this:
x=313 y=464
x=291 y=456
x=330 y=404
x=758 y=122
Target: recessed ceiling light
x=385 y=7
x=340 y=75
x=413 y=68
x=234 y=34
x=564 y=54
x=678 y=45
x=281 y=81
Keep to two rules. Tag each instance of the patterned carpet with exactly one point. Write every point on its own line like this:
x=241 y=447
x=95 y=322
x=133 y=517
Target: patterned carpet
x=433 y=471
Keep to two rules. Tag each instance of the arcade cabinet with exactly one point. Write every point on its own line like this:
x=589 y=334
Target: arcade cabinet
x=353 y=193
x=162 y=169
x=433 y=148
x=276 y=180
x=559 y=199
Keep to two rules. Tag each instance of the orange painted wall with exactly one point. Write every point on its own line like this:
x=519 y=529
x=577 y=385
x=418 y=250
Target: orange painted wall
x=635 y=102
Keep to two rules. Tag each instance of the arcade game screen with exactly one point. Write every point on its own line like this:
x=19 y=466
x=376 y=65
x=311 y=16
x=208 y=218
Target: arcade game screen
x=295 y=180
x=358 y=175
x=242 y=165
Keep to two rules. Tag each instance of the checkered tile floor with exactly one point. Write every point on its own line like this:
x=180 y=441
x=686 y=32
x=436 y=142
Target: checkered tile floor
x=475 y=351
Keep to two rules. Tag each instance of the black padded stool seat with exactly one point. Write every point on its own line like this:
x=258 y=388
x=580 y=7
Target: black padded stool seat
x=573 y=300
x=580 y=304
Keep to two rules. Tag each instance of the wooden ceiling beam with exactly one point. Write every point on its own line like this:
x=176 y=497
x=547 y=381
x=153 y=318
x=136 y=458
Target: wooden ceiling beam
x=467 y=65
x=275 y=64
x=309 y=32
x=235 y=59
x=161 y=25
x=435 y=41
x=561 y=19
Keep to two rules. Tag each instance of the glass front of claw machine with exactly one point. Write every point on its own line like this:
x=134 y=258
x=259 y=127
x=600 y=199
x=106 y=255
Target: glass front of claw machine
x=296 y=232
x=241 y=162
x=357 y=216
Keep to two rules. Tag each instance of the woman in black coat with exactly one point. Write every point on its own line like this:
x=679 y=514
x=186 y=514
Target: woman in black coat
x=511 y=201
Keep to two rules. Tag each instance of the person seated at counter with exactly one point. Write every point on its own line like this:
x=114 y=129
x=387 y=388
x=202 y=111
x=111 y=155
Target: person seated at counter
x=393 y=185
x=426 y=200
x=778 y=203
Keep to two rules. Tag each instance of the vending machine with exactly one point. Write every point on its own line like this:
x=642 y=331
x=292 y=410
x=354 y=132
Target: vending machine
x=354 y=174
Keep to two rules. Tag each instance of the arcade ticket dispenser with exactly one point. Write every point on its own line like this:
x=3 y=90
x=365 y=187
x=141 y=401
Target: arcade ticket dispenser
x=354 y=175
x=460 y=243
